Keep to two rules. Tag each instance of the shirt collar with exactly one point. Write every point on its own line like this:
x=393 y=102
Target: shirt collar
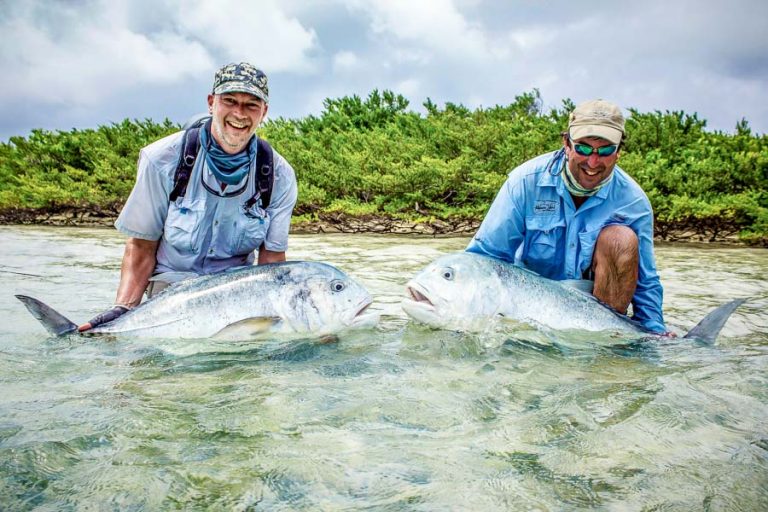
x=552 y=176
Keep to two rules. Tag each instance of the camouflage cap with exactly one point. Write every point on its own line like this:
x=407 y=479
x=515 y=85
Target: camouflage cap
x=597 y=118
x=242 y=77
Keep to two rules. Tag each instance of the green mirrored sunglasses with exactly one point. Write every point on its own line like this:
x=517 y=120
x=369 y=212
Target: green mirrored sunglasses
x=587 y=150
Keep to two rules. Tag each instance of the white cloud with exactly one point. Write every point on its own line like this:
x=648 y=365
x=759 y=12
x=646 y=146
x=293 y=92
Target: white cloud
x=51 y=62
x=410 y=88
x=532 y=38
x=436 y=25
x=80 y=62
x=260 y=33
x=345 y=60
x=64 y=54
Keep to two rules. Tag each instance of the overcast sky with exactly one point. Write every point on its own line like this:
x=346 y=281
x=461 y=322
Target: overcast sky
x=83 y=63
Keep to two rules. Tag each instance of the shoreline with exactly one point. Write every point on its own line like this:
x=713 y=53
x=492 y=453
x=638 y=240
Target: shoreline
x=340 y=223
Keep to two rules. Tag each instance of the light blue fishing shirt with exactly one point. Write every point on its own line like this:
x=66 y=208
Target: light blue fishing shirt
x=202 y=232
x=534 y=223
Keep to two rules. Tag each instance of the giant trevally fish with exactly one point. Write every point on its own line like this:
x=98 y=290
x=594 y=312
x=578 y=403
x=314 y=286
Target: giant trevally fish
x=290 y=297
x=466 y=290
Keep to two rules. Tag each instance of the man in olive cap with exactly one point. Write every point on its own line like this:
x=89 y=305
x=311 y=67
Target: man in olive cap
x=573 y=214
x=217 y=218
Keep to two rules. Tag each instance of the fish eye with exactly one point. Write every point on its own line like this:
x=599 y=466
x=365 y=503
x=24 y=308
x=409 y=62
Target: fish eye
x=447 y=273
x=337 y=285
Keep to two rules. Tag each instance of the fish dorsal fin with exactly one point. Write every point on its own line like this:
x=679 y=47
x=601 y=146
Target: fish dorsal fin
x=54 y=322
x=583 y=285
x=710 y=326
x=246 y=328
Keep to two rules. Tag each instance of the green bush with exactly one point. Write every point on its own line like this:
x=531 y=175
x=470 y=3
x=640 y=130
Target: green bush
x=374 y=156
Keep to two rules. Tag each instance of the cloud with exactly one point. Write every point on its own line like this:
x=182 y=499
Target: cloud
x=56 y=65
x=409 y=88
x=83 y=62
x=262 y=34
x=437 y=26
x=83 y=54
x=345 y=60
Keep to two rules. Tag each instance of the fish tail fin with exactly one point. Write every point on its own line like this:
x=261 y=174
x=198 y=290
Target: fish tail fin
x=710 y=326
x=54 y=322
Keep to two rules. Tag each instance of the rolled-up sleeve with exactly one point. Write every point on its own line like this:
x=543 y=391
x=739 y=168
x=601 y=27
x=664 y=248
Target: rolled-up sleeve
x=284 y=196
x=145 y=211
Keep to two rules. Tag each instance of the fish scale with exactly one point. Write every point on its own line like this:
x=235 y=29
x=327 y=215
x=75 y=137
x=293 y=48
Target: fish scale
x=465 y=290
x=301 y=297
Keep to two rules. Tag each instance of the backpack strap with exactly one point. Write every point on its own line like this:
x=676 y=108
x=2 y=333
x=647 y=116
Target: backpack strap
x=265 y=174
x=265 y=165
x=189 y=149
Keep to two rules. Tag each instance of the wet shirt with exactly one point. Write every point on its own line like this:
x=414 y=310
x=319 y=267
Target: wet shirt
x=202 y=232
x=533 y=223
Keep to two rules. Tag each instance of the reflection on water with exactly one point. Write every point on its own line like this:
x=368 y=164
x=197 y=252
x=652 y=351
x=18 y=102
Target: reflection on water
x=400 y=417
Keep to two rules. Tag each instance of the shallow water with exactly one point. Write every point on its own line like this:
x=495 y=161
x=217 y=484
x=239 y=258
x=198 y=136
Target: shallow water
x=396 y=418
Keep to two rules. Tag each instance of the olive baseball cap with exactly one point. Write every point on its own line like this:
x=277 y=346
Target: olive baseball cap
x=596 y=118
x=242 y=77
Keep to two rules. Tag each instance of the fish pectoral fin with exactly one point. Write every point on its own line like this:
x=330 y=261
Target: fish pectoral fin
x=247 y=328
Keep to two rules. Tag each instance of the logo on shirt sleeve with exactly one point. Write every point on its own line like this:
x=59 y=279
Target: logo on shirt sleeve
x=545 y=207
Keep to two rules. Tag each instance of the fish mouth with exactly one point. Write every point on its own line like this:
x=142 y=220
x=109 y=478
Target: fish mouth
x=418 y=295
x=362 y=309
x=418 y=305
x=362 y=317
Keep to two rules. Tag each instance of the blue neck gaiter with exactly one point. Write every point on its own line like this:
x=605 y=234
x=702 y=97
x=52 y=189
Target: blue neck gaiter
x=227 y=168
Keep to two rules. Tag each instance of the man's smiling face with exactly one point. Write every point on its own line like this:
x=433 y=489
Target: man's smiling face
x=236 y=115
x=590 y=171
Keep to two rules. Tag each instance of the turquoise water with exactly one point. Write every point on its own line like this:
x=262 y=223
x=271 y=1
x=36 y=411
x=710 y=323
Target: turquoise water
x=399 y=417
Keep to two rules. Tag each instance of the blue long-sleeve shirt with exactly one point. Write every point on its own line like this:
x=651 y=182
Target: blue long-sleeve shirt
x=534 y=223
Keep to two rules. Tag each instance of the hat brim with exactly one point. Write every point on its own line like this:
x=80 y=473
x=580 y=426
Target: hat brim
x=241 y=87
x=612 y=135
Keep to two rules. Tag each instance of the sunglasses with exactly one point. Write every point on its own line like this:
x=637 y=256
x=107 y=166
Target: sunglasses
x=587 y=150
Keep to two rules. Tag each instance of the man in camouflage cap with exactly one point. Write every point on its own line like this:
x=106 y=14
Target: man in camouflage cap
x=219 y=220
x=573 y=214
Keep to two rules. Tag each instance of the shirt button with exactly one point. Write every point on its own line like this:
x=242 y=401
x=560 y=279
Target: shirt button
x=210 y=251
x=215 y=223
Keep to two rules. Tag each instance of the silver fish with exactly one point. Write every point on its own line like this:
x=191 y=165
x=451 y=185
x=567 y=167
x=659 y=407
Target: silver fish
x=291 y=297
x=465 y=291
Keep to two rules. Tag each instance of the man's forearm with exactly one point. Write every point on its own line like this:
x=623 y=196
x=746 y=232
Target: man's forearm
x=266 y=256
x=139 y=262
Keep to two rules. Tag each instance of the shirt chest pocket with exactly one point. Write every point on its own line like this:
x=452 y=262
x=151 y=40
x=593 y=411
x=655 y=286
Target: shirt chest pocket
x=248 y=231
x=182 y=226
x=543 y=236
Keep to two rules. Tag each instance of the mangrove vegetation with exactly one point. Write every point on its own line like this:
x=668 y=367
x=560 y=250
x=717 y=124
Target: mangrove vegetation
x=376 y=159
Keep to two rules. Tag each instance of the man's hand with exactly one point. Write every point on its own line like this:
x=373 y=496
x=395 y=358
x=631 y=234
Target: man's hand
x=102 y=318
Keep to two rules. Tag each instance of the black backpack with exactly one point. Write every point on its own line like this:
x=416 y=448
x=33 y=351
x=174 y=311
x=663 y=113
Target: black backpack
x=265 y=169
